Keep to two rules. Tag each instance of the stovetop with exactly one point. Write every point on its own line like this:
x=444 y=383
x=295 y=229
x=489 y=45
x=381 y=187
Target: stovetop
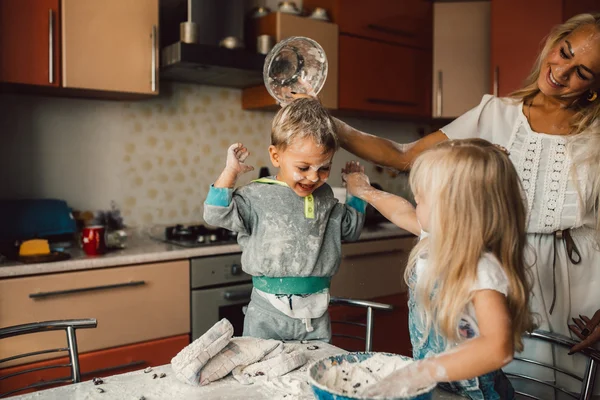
x=197 y=236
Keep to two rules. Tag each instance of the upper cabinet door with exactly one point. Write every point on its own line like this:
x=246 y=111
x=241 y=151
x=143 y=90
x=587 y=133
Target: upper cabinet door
x=110 y=45
x=461 y=56
x=29 y=42
x=517 y=38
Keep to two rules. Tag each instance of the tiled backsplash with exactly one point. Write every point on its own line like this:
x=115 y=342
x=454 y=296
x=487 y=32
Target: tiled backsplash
x=154 y=158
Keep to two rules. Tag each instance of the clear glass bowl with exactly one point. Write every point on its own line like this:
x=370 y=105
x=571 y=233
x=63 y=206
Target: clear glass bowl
x=296 y=64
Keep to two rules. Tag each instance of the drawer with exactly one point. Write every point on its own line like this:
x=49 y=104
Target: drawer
x=406 y=22
x=383 y=78
x=132 y=304
x=101 y=363
x=372 y=269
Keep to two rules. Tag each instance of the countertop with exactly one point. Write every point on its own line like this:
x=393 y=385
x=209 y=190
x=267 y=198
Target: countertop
x=142 y=249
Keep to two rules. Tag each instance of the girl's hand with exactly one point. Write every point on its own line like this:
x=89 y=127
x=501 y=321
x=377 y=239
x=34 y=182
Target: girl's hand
x=355 y=180
x=406 y=381
x=236 y=155
x=588 y=330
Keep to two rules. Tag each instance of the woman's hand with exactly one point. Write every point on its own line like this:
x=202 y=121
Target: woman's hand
x=234 y=167
x=353 y=175
x=407 y=381
x=586 y=329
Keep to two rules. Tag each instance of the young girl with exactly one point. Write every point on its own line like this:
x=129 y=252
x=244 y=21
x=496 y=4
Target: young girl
x=469 y=296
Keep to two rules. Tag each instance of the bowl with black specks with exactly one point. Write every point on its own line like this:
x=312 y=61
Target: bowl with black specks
x=328 y=382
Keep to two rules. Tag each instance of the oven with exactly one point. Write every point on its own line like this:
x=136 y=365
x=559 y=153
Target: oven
x=219 y=289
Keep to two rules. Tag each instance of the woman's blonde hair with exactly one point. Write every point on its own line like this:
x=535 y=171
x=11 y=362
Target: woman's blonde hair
x=476 y=204
x=587 y=112
x=584 y=142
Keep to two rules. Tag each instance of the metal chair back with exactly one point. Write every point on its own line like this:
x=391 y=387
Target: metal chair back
x=368 y=324
x=69 y=326
x=587 y=380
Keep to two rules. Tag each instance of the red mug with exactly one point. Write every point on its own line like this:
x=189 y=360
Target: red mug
x=92 y=240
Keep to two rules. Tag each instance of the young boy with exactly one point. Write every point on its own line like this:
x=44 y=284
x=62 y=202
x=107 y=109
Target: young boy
x=290 y=227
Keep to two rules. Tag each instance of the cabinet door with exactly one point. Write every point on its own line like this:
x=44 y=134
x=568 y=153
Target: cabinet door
x=29 y=42
x=110 y=45
x=101 y=363
x=407 y=22
x=461 y=56
x=383 y=78
x=517 y=39
x=574 y=7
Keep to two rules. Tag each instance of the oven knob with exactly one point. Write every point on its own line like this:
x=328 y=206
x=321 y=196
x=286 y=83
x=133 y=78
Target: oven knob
x=236 y=269
x=200 y=239
x=213 y=238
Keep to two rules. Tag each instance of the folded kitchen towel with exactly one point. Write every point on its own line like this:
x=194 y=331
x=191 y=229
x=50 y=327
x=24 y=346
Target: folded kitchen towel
x=270 y=368
x=188 y=363
x=239 y=351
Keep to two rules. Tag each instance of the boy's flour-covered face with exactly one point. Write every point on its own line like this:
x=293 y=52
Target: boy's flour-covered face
x=303 y=165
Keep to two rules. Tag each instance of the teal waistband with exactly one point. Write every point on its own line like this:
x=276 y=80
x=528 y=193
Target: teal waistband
x=291 y=284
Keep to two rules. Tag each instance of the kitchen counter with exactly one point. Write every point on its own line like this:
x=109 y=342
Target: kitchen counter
x=142 y=249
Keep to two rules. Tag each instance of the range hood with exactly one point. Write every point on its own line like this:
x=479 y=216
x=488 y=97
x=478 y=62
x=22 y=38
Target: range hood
x=198 y=58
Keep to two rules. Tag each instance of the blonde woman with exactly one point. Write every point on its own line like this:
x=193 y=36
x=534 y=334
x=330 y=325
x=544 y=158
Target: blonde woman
x=551 y=128
x=469 y=296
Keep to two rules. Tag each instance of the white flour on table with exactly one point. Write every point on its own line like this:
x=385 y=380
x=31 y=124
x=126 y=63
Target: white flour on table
x=351 y=378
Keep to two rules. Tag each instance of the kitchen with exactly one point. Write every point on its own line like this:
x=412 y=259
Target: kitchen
x=153 y=154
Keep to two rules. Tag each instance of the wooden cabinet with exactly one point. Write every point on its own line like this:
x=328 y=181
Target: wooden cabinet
x=90 y=46
x=517 y=38
x=110 y=45
x=112 y=361
x=406 y=22
x=131 y=304
x=461 y=56
x=381 y=78
x=29 y=42
x=281 y=26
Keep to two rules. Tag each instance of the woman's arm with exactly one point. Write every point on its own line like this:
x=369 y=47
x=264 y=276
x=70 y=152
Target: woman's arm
x=382 y=151
x=491 y=350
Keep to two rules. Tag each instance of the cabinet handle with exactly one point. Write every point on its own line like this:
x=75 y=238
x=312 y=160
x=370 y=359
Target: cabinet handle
x=43 y=295
x=235 y=295
x=102 y=371
x=392 y=102
x=153 y=64
x=391 y=31
x=379 y=253
x=439 y=96
x=50 y=46
x=496 y=80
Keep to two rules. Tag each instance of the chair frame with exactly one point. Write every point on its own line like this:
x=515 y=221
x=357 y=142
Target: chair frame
x=370 y=306
x=69 y=326
x=587 y=380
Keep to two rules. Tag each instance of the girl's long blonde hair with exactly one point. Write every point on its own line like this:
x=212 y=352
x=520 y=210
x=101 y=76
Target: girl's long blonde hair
x=476 y=206
x=584 y=140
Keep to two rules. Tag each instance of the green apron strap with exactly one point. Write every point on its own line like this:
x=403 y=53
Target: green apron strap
x=309 y=201
x=291 y=284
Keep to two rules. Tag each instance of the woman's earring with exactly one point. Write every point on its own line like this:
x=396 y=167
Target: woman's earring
x=592 y=95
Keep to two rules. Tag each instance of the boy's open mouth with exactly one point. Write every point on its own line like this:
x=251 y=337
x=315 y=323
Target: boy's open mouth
x=306 y=187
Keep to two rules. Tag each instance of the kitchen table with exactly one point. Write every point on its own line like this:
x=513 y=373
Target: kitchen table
x=137 y=385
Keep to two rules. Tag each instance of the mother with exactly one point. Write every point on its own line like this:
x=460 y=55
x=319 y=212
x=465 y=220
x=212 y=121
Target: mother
x=551 y=127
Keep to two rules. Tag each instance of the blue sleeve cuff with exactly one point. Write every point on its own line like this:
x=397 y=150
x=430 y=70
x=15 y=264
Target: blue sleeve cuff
x=356 y=203
x=220 y=197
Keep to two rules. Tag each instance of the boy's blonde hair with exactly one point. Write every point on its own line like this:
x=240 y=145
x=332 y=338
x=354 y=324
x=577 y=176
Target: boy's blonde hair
x=304 y=118
x=476 y=204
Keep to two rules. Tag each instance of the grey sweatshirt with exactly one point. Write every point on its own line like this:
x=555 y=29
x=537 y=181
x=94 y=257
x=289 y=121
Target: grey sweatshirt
x=276 y=237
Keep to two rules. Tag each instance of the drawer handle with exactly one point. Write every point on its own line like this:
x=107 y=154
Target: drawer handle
x=102 y=371
x=391 y=31
x=378 y=253
x=392 y=102
x=43 y=295
x=235 y=295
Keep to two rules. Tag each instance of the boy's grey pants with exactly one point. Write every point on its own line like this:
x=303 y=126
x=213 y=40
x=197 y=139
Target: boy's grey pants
x=266 y=322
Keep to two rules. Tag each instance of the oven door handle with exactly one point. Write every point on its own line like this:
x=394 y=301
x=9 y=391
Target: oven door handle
x=237 y=295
